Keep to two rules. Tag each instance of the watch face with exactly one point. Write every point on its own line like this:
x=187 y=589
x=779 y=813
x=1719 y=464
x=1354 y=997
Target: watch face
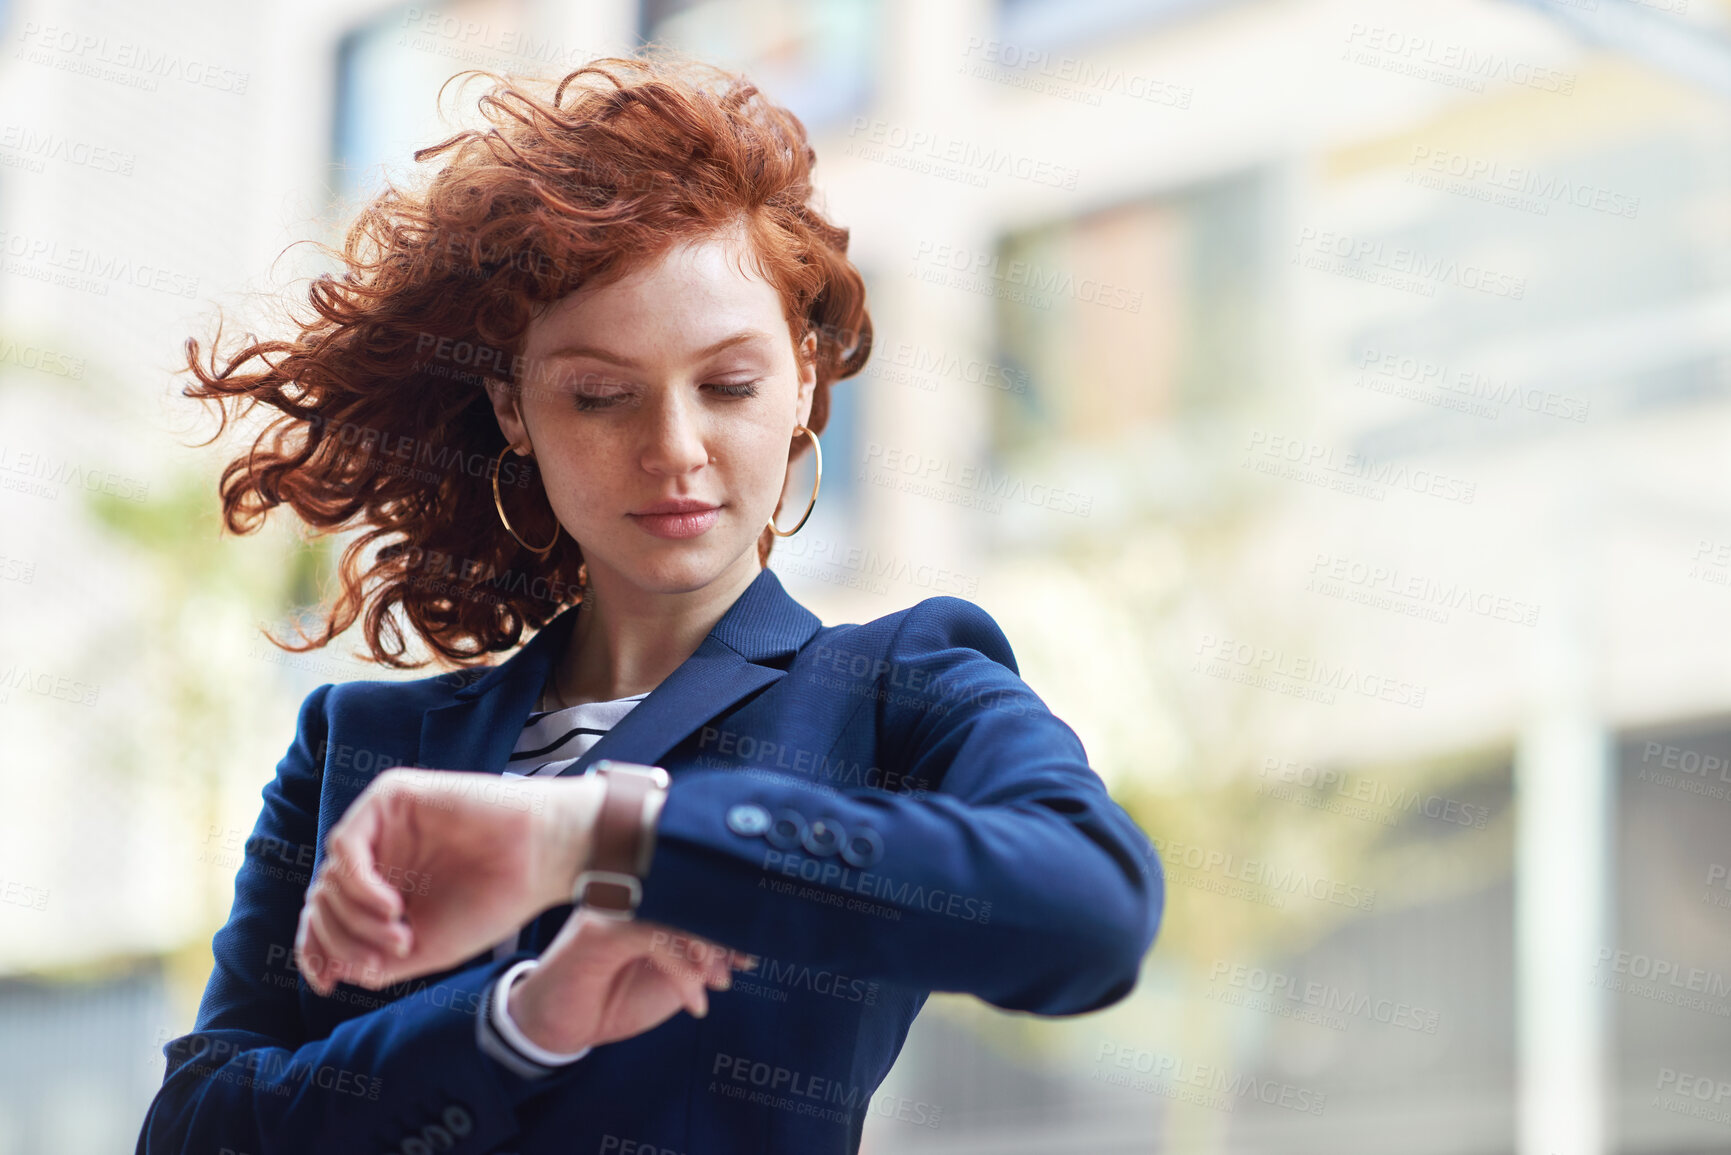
x=609 y=896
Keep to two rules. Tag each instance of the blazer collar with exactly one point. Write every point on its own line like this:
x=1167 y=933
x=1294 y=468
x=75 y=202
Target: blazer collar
x=747 y=650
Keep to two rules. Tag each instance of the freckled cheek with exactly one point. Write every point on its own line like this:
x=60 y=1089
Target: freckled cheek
x=584 y=483
x=753 y=471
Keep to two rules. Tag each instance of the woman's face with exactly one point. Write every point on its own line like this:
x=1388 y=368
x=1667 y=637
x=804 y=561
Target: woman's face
x=678 y=384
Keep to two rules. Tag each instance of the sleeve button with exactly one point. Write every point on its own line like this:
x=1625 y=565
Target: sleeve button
x=862 y=848
x=748 y=819
x=787 y=830
x=824 y=838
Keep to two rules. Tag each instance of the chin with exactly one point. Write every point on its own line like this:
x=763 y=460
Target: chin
x=677 y=571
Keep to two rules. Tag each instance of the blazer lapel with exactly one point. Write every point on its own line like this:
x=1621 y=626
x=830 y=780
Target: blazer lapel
x=747 y=650
x=478 y=727
x=707 y=683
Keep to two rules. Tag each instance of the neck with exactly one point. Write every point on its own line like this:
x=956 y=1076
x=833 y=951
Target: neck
x=632 y=638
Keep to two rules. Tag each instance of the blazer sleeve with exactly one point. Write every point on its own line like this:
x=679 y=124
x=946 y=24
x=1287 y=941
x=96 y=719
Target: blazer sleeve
x=247 y=1078
x=1018 y=879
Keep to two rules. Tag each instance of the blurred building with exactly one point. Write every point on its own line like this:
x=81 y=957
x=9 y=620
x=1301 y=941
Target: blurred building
x=1327 y=396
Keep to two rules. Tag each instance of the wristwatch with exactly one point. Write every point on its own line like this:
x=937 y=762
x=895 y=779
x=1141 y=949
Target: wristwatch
x=611 y=883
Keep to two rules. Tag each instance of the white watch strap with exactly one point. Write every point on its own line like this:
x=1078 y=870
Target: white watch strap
x=512 y=1033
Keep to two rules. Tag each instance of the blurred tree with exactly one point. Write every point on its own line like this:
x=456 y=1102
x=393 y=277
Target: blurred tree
x=195 y=646
x=1104 y=627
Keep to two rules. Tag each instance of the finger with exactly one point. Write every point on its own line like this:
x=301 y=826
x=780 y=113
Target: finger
x=301 y=945
x=352 y=850
x=718 y=969
x=364 y=922
x=385 y=938
x=351 y=861
x=711 y=955
x=362 y=880
x=723 y=961
x=692 y=956
x=692 y=959
x=719 y=976
x=349 y=958
x=689 y=979
x=310 y=953
x=325 y=970
x=693 y=994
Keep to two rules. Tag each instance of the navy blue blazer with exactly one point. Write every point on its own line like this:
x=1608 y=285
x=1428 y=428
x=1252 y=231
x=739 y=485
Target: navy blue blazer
x=878 y=811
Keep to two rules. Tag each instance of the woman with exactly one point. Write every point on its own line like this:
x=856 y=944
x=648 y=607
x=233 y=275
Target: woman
x=682 y=870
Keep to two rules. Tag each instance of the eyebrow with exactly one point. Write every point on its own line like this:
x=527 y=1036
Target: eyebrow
x=594 y=353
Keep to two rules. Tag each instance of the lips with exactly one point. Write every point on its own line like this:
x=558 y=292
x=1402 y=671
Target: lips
x=675 y=505
x=679 y=518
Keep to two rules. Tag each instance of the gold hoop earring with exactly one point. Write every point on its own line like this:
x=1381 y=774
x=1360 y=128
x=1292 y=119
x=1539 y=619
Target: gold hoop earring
x=817 y=450
x=499 y=504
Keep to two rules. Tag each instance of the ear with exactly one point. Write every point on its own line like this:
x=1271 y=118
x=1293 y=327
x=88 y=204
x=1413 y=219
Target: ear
x=807 y=375
x=507 y=412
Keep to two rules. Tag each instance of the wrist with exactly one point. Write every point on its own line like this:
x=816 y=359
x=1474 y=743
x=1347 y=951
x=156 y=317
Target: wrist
x=525 y=1027
x=567 y=835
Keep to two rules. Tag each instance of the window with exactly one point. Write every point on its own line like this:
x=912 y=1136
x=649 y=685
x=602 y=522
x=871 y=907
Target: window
x=1131 y=318
x=815 y=56
x=388 y=77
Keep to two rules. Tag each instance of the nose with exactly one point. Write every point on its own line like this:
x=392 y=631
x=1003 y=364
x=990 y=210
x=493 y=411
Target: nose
x=673 y=443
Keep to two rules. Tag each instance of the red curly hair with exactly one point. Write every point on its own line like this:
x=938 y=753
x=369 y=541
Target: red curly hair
x=569 y=189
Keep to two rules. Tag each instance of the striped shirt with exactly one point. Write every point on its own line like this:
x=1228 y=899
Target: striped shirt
x=553 y=739
x=550 y=742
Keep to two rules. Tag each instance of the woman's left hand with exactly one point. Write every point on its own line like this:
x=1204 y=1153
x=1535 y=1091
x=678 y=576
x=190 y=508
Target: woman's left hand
x=603 y=979
x=429 y=867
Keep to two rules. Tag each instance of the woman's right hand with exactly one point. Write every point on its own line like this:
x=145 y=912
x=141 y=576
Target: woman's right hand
x=603 y=980
x=428 y=867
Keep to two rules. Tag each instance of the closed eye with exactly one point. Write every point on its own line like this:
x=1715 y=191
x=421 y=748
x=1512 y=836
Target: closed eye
x=586 y=402
x=742 y=389
x=589 y=402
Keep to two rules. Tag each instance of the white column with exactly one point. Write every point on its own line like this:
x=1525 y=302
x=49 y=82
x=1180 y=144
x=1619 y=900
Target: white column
x=1563 y=875
x=588 y=28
